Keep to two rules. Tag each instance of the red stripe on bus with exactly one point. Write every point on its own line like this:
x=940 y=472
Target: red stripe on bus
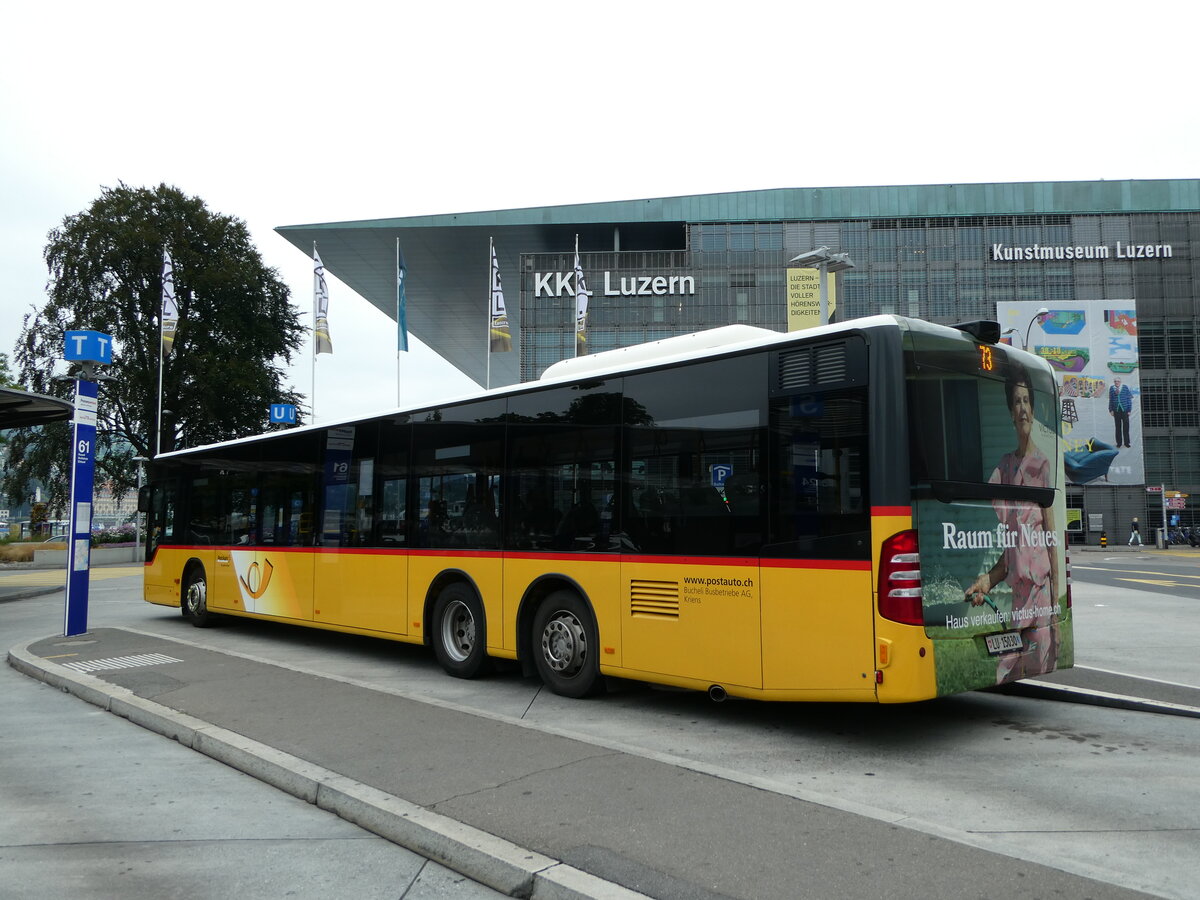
x=739 y=561
x=692 y=560
x=891 y=510
x=560 y=555
x=849 y=565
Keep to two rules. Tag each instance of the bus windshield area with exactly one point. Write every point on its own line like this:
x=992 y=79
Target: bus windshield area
x=980 y=432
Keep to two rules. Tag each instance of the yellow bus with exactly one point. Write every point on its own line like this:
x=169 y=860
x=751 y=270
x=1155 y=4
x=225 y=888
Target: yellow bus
x=870 y=511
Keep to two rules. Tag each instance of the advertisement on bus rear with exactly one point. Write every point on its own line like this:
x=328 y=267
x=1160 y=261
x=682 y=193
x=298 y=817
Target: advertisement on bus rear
x=993 y=556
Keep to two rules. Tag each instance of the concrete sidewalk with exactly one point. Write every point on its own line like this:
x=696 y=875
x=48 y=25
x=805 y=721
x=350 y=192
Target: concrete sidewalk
x=95 y=807
x=527 y=812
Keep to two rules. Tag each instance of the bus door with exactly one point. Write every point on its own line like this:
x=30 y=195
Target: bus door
x=266 y=524
x=692 y=521
x=235 y=534
x=818 y=601
x=359 y=582
x=161 y=505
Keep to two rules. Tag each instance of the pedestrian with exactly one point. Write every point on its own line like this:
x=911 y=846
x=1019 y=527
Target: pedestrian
x=1134 y=533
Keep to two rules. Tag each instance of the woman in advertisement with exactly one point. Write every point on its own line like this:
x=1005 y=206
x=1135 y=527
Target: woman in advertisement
x=1029 y=559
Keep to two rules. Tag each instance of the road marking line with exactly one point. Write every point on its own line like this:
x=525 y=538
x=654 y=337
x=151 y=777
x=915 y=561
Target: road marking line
x=1158 y=582
x=1132 y=571
x=120 y=662
x=1195 y=687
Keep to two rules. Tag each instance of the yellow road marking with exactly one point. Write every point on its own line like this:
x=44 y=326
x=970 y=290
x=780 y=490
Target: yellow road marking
x=1158 y=582
x=45 y=577
x=1134 y=571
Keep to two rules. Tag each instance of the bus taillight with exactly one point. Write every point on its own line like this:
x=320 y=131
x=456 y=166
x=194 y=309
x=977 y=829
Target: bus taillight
x=900 y=579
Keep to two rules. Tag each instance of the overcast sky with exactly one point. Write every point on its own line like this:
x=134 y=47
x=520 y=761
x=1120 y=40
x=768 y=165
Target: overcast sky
x=290 y=113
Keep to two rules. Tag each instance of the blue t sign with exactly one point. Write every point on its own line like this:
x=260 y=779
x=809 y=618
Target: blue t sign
x=87 y=346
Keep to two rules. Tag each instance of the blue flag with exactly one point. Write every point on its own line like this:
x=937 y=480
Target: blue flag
x=401 y=305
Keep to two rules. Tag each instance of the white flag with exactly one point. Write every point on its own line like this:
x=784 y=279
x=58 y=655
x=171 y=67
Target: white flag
x=169 y=320
x=322 y=342
x=501 y=337
x=581 y=308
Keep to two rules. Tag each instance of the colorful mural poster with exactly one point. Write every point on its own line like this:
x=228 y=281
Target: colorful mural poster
x=1092 y=346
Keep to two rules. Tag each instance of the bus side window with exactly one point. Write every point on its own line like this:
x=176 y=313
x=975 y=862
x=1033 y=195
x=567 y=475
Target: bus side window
x=203 y=526
x=819 y=476
x=562 y=469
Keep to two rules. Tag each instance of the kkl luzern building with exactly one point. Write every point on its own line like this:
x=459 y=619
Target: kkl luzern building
x=1100 y=278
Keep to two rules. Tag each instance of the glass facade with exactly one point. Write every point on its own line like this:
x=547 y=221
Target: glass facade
x=944 y=269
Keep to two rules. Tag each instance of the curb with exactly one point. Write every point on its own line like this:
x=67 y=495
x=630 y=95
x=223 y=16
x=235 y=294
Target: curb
x=483 y=857
x=1044 y=690
x=29 y=592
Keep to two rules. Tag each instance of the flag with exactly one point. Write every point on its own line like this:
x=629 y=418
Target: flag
x=501 y=338
x=401 y=304
x=581 y=308
x=169 y=320
x=321 y=340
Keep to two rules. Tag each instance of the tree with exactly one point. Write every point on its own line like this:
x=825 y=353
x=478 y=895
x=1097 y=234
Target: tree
x=6 y=379
x=236 y=331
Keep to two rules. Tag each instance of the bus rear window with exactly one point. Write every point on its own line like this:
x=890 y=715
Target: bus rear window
x=965 y=418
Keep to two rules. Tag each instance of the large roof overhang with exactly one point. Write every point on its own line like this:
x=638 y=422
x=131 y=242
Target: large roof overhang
x=21 y=408
x=448 y=269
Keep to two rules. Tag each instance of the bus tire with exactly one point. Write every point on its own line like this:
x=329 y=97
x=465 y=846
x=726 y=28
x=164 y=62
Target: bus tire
x=195 y=599
x=460 y=632
x=566 y=646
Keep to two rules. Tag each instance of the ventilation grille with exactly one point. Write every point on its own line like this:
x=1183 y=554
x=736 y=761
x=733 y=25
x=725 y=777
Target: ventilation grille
x=659 y=599
x=808 y=367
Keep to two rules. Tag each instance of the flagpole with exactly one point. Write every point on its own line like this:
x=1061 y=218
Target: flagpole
x=576 y=273
x=158 y=429
x=168 y=291
x=397 y=322
x=579 y=268
x=398 y=404
x=487 y=337
x=313 y=393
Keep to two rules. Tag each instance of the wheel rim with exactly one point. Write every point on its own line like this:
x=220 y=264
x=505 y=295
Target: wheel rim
x=197 y=597
x=564 y=644
x=458 y=631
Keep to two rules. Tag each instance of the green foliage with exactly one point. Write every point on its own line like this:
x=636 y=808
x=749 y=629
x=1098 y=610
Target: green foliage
x=6 y=379
x=236 y=332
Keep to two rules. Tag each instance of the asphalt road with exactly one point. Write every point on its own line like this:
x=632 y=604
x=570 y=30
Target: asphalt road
x=1080 y=800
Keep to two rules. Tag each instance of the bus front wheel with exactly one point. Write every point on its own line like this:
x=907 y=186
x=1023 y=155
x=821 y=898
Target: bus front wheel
x=459 y=632
x=565 y=645
x=195 y=600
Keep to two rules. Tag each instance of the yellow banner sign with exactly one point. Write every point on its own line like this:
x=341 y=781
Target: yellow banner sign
x=804 y=298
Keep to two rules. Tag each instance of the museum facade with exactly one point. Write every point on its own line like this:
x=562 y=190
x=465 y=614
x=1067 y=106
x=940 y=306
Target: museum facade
x=655 y=268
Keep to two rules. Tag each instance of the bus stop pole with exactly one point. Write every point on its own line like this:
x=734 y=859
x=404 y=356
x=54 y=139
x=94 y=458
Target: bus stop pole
x=89 y=349
x=79 y=538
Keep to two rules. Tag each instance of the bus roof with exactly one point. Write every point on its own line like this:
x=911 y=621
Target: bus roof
x=680 y=349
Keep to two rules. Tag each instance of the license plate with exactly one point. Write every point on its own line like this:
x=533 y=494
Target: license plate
x=1005 y=642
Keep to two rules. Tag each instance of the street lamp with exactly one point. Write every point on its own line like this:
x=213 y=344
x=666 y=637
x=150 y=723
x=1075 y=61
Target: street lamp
x=1038 y=315
x=824 y=261
x=141 y=461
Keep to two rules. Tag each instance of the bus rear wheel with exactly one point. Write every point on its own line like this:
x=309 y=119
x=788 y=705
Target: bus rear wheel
x=565 y=646
x=460 y=632
x=195 y=600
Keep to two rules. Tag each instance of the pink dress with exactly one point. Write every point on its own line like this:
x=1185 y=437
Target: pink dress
x=1028 y=557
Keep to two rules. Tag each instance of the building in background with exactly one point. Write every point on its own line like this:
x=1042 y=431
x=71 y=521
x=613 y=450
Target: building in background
x=946 y=253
